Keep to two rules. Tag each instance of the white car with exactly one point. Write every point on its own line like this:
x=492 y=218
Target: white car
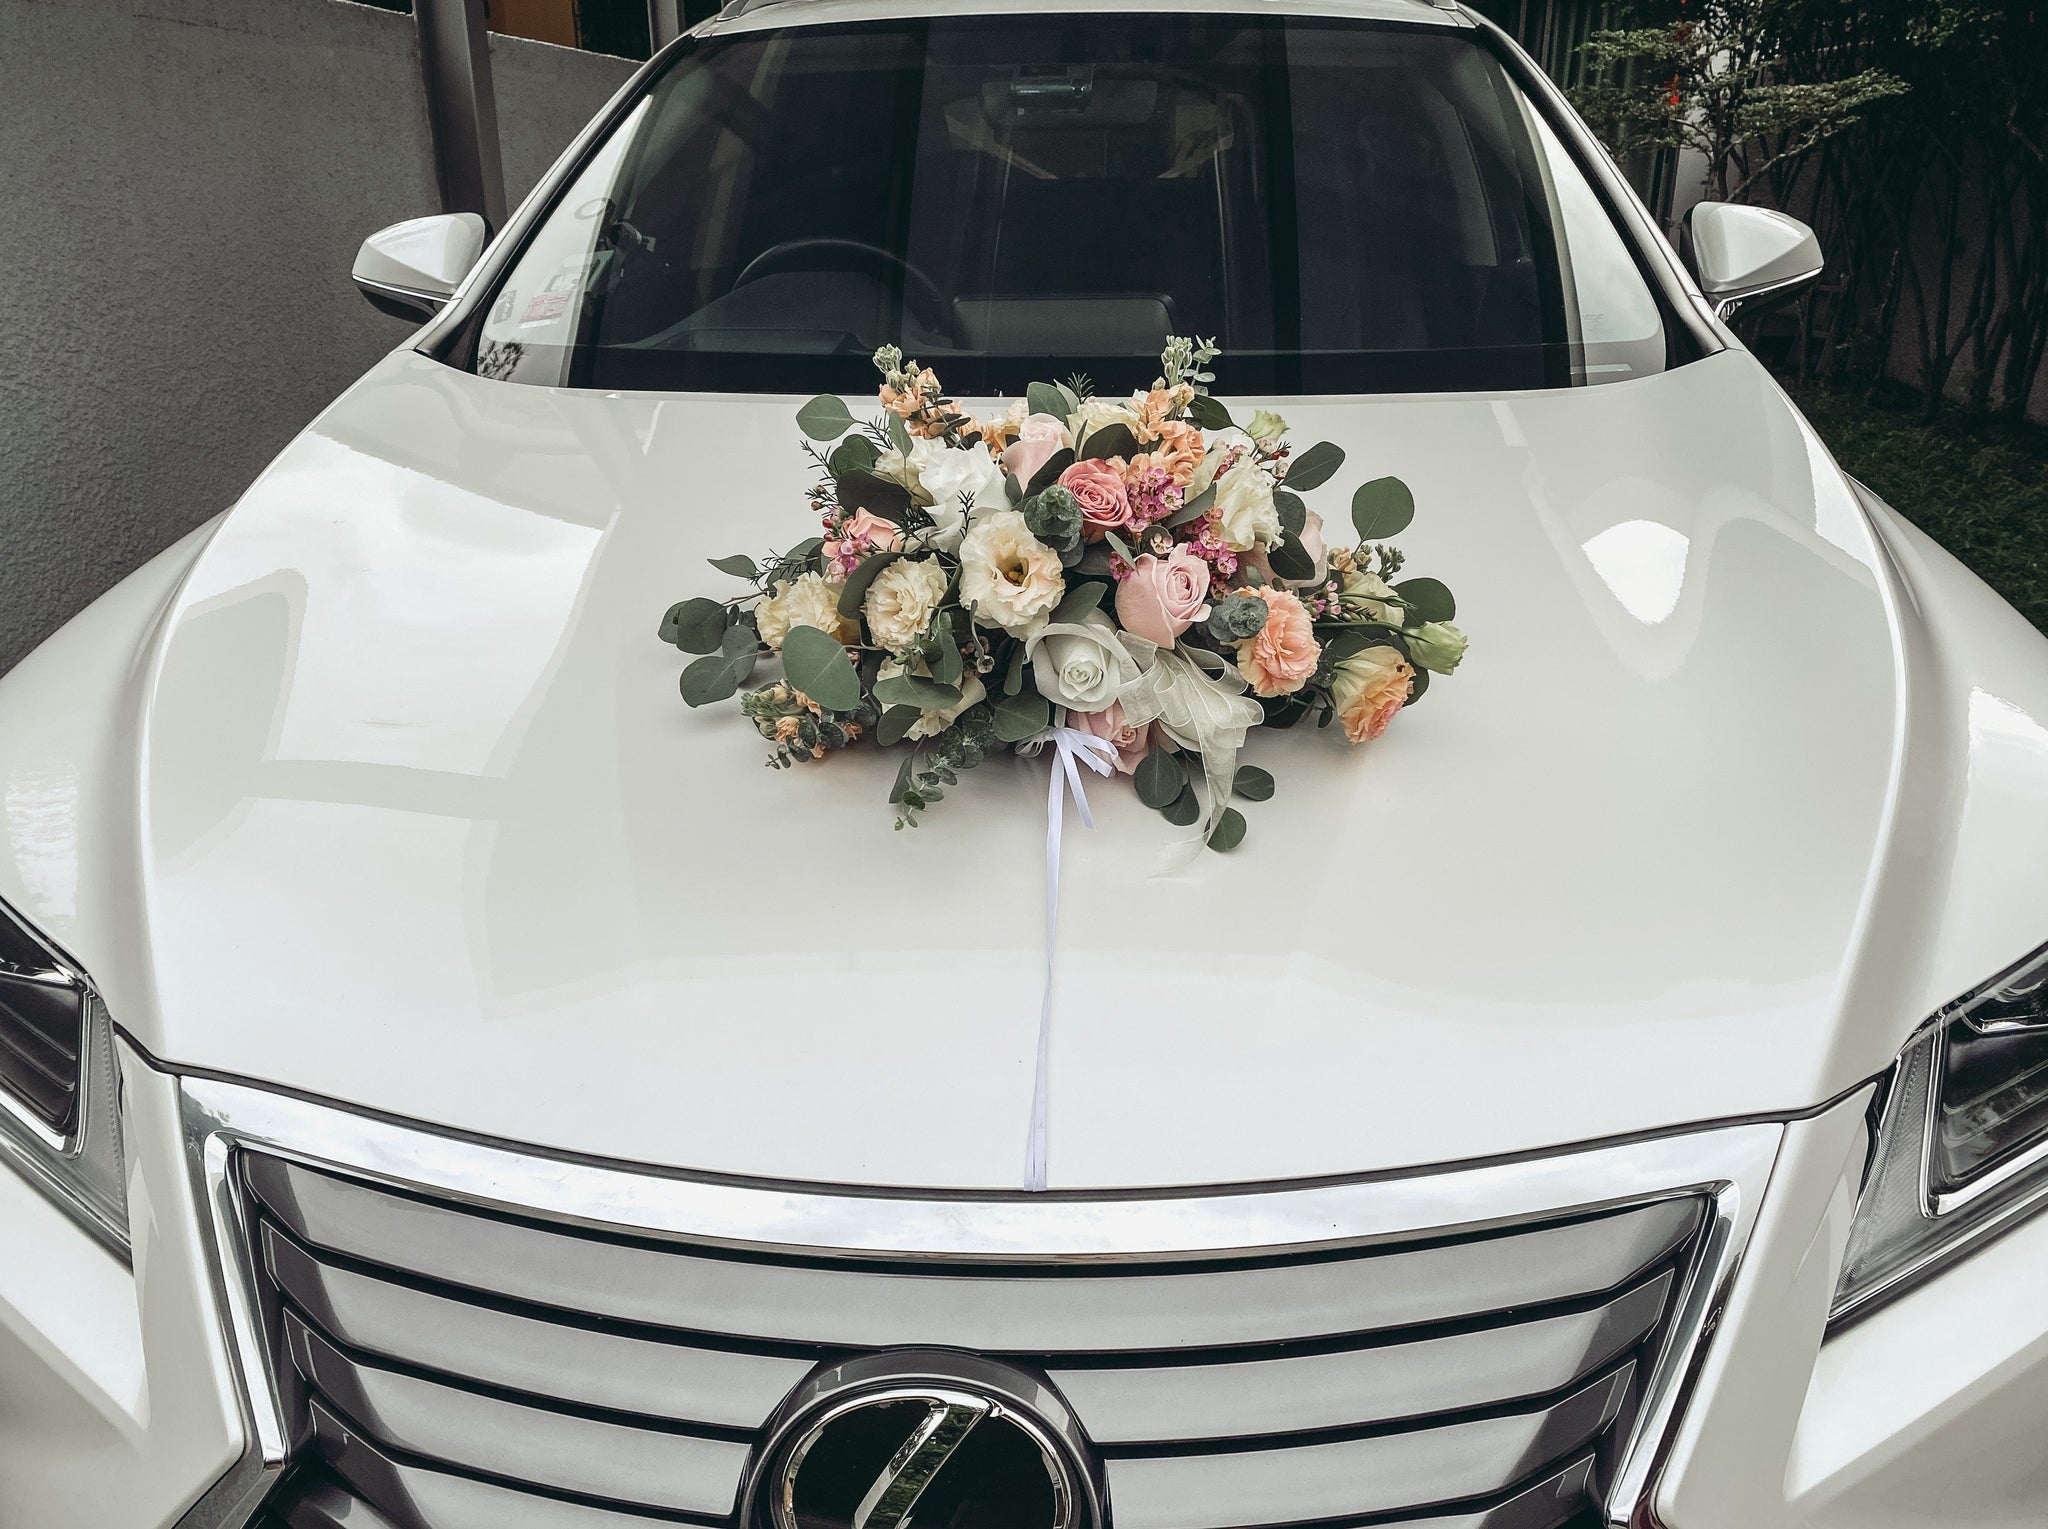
x=445 y=1083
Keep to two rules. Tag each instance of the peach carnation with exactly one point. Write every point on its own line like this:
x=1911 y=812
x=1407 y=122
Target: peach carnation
x=1279 y=660
x=1369 y=688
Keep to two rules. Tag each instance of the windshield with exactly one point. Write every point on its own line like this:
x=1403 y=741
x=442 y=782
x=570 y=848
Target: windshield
x=1345 y=206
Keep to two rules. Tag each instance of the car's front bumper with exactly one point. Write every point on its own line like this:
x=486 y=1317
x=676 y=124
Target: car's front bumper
x=123 y=1403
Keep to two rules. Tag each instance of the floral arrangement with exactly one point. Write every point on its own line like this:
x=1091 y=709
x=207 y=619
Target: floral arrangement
x=1141 y=571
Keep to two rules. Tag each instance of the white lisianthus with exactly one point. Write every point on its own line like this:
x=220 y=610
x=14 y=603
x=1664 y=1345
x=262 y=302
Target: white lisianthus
x=1245 y=508
x=810 y=601
x=1266 y=427
x=1008 y=577
x=1221 y=445
x=1080 y=665
x=1437 y=646
x=948 y=472
x=933 y=722
x=902 y=601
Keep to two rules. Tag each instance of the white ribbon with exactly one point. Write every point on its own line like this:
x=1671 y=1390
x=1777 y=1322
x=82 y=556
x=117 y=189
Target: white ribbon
x=1073 y=748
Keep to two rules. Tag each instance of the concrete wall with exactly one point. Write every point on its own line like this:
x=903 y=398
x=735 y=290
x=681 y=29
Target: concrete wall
x=183 y=184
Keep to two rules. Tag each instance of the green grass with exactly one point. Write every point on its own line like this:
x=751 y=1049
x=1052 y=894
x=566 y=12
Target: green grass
x=1979 y=489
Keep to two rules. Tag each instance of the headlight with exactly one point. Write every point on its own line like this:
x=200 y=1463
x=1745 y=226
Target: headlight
x=1962 y=1140
x=59 y=1115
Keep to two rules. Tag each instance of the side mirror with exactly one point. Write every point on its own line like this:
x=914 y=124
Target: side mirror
x=1740 y=253
x=411 y=269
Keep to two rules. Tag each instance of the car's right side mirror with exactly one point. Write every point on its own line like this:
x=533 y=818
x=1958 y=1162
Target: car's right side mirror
x=1740 y=253
x=411 y=269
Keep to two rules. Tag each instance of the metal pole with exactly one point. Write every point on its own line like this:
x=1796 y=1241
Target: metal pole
x=462 y=109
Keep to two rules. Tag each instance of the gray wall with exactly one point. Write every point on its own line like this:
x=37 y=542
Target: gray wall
x=183 y=184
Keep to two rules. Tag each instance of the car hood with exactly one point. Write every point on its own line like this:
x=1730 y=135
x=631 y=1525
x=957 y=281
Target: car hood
x=426 y=827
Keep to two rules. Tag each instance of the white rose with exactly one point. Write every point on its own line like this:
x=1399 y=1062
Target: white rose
x=902 y=601
x=810 y=601
x=1008 y=577
x=1098 y=413
x=930 y=724
x=1245 y=508
x=1080 y=665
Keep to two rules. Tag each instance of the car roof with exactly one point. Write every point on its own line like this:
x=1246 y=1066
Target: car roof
x=752 y=15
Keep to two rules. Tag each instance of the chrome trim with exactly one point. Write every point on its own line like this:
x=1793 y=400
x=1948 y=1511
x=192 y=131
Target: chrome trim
x=1727 y=303
x=402 y=302
x=1729 y=1166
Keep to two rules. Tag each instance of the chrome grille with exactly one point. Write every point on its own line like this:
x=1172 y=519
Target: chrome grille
x=452 y=1367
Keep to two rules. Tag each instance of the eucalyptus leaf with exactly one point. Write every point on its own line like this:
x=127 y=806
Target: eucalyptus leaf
x=896 y=722
x=1253 y=784
x=1017 y=717
x=1182 y=811
x=878 y=496
x=804 y=550
x=1293 y=511
x=915 y=690
x=1209 y=414
x=1109 y=441
x=1290 y=560
x=1161 y=779
x=1314 y=467
x=903 y=774
x=824 y=418
x=1049 y=474
x=1428 y=600
x=696 y=626
x=1013 y=490
x=739 y=566
x=710 y=680
x=899 y=435
x=1228 y=832
x=1382 y=508
x=1116 y=545
x=947 y=667
x=1044 y=398
x=1081 y=598
x=1095 y=559
x=855 y=592
x=1195 y=508
x=855 y=454
x=818 y=666
x=1013 y=678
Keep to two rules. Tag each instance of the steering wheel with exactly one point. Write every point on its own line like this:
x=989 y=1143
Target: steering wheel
x=921 y=295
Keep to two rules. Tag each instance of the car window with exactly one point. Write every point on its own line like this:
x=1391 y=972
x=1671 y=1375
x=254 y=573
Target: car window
x=1345 y=206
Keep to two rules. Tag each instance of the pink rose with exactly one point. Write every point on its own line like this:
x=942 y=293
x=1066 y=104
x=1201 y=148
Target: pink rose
x=865 y=533
x=1279 y=660
x=1132 y=744
x=1039 y=440
x=1313 y=544
x=1099 y=487
x=1163 y=596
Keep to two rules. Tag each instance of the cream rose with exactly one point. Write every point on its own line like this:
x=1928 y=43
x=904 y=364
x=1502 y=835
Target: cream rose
x=810 y=601
x=1097 y=413
x=1008 y=577
x=931 y=723
x=1245 y=508
x=902 y=601
x=1369 y=689
x=1079 y=664
x=946 y=473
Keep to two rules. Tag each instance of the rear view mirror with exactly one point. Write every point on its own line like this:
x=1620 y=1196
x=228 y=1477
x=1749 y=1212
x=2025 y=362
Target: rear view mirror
x=411 y=269
x=1740 y=253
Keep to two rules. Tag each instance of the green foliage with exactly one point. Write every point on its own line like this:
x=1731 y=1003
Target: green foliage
x=739 y=566
x=1053 y=515
x=1044 y=398
x=696 y=626
x=1427 y=599
x=824 y=418
x=1017 y=717
x=923 y=781
x=1253 y=784
x=818 y=666
x=1314 y=467
x=1382 y=508
x=1719 y=78
x=1161 y=779
x=1237 y=618
x=719 y=677
x=1228 y=832
x=1209 y=414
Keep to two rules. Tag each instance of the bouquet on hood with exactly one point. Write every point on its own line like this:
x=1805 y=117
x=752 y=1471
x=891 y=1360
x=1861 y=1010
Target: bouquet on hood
x=1143 y=571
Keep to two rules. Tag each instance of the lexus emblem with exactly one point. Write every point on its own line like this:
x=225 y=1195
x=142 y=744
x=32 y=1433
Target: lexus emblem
x=926 y=1438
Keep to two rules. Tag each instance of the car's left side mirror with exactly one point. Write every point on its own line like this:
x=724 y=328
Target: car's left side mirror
x=411 y=269
x=1741 y=253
